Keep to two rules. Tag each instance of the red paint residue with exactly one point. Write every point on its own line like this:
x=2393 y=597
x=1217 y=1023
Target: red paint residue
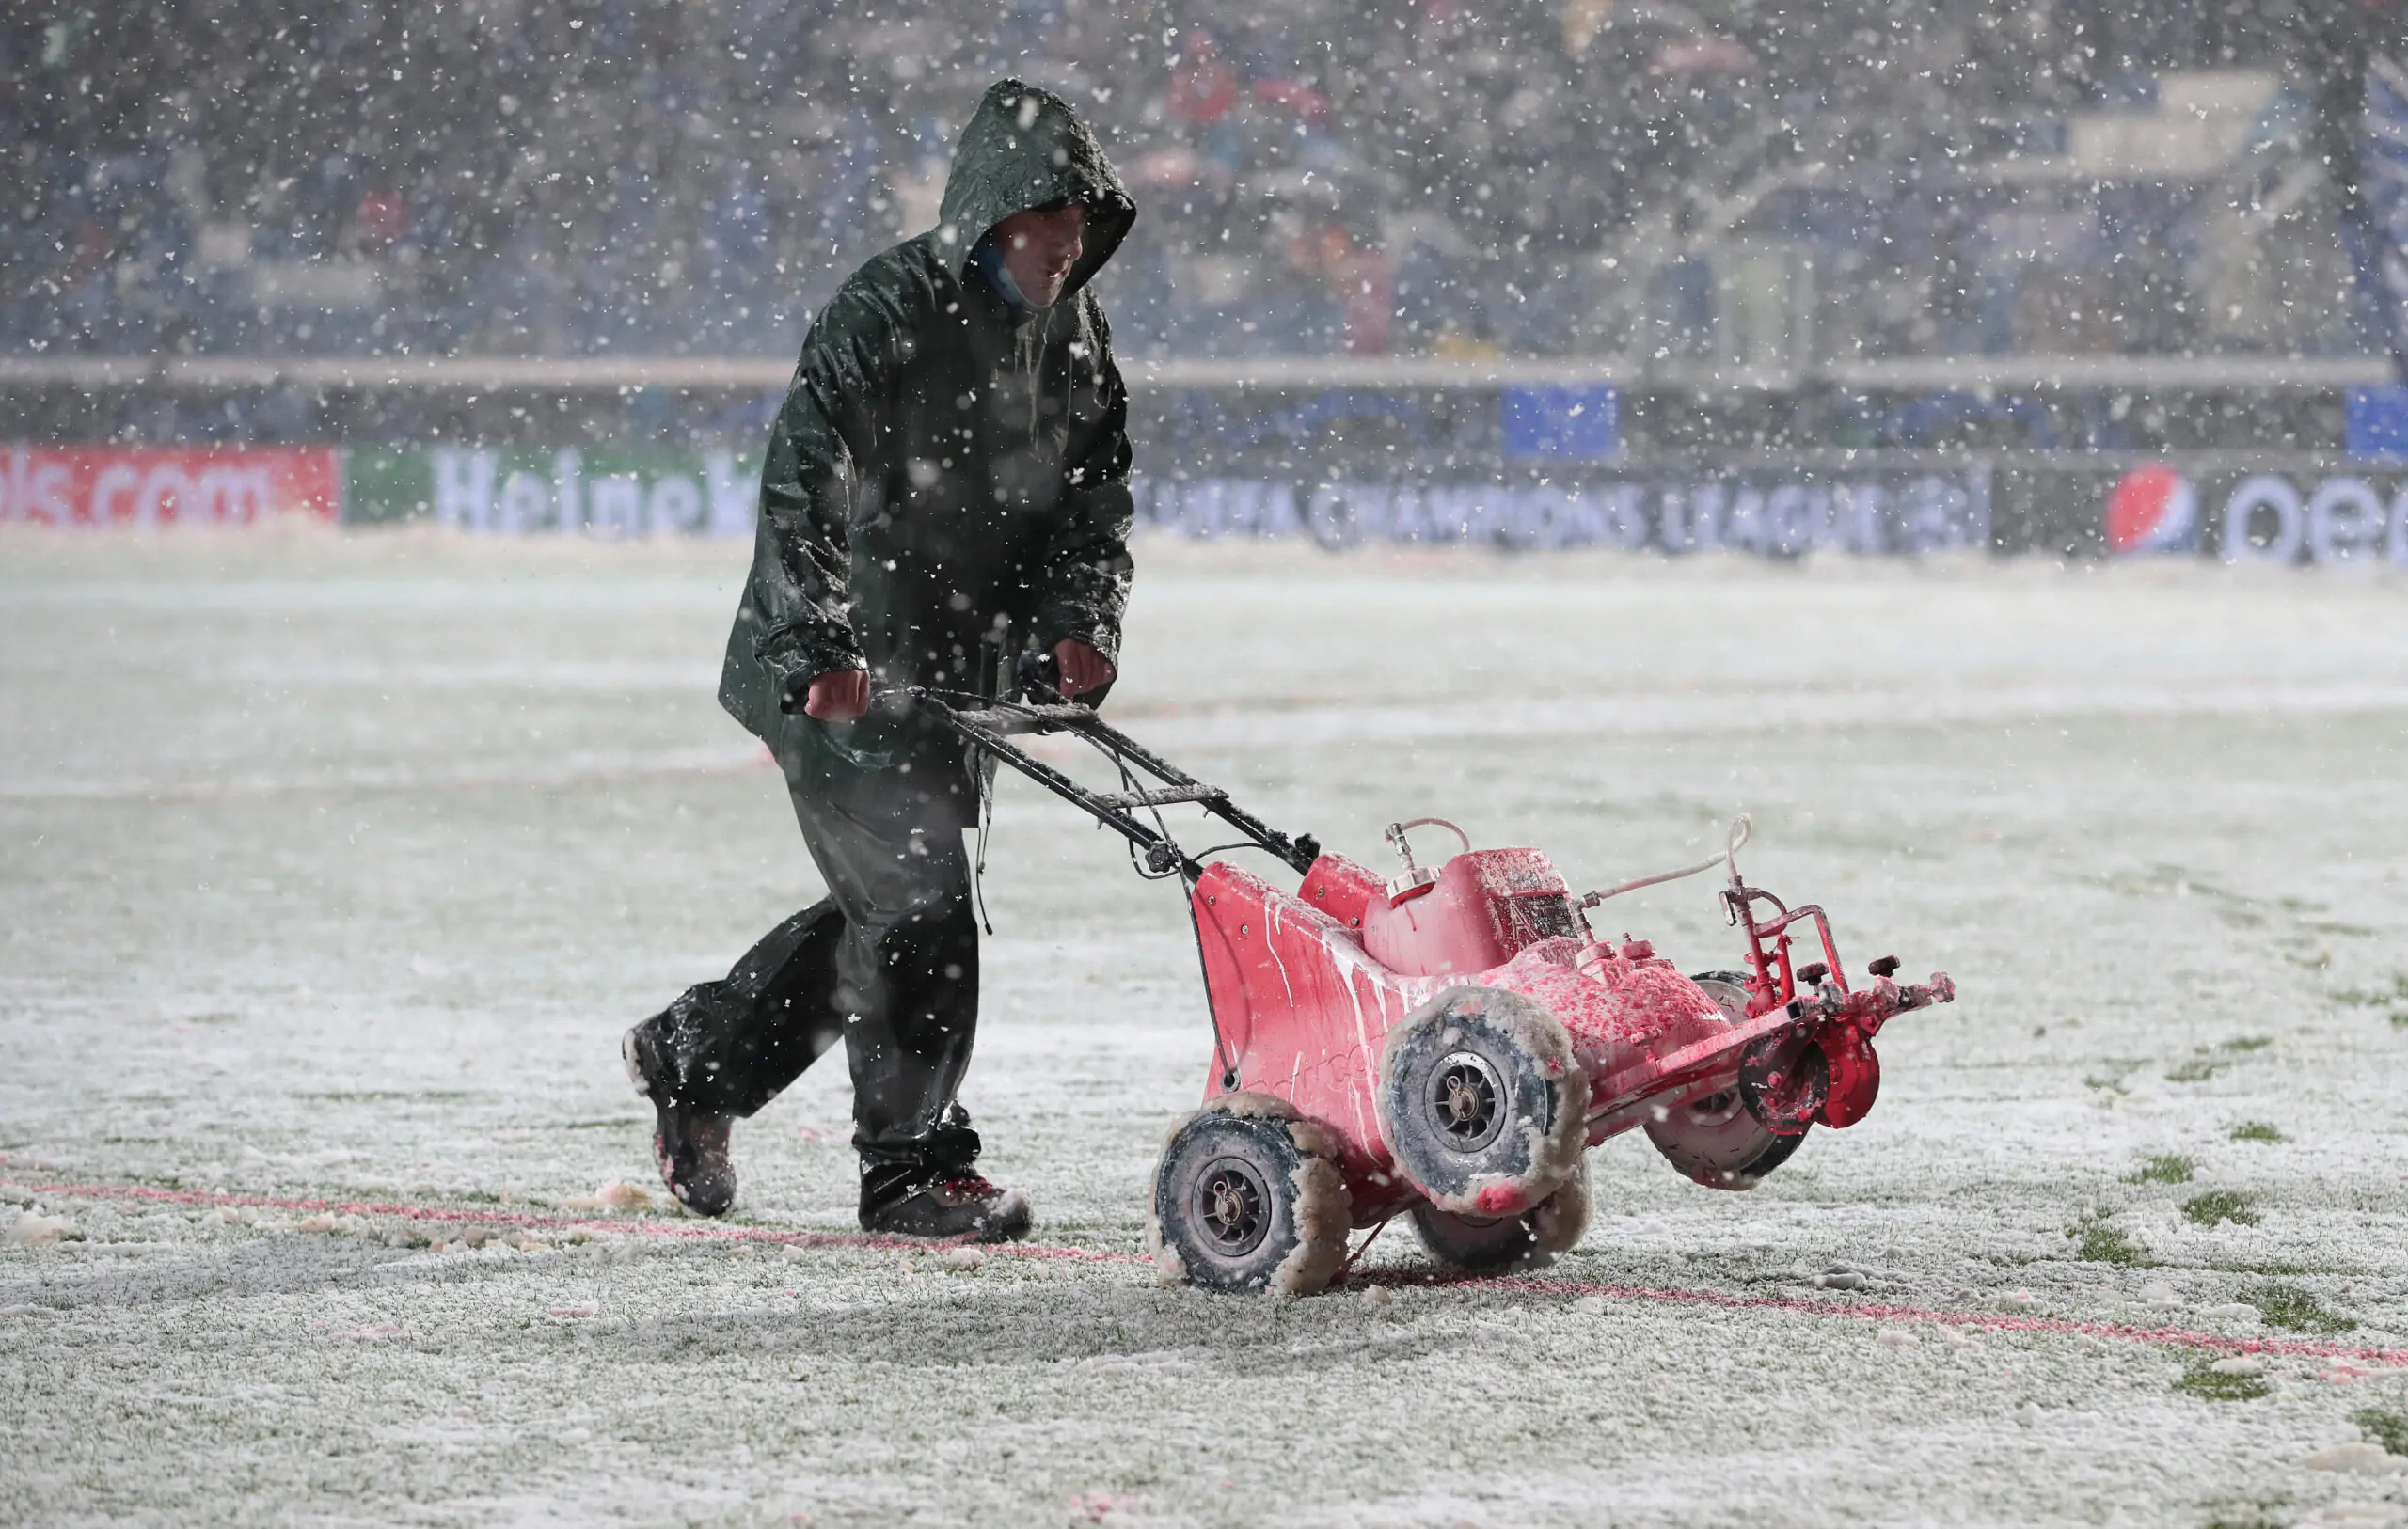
x=1642 y=999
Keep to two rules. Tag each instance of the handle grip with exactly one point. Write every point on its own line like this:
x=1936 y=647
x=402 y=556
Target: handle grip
x=1039 y=677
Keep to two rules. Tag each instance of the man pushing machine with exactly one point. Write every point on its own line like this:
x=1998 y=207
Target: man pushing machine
x=945 y=487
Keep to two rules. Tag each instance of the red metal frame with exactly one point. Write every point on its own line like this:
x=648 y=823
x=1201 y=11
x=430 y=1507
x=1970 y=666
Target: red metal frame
x=1766 y=990
x=1304 y=987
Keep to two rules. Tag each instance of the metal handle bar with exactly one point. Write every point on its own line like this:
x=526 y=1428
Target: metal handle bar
x=992 y=726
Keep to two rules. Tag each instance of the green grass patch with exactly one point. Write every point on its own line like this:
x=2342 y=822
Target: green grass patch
x=2210 y=1384
x=2165 y=1168
x=2095 y=1242
x=2249 y=1043
x=2399 y=1018
x=391 y=1095
x=2113 y=1070
x=2376 y=998
x=2256 y=1130
x=2197 y=1070
x=2389 y=1429
x=2294 y=1310
x=2278 y=1268
x=2337 y=926
x=2217 y=1207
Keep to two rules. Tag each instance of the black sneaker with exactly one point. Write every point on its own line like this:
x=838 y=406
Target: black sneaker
x=689 y=1145
x=966 y=1207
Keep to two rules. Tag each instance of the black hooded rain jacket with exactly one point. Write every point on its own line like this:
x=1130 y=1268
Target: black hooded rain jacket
x=948 y=476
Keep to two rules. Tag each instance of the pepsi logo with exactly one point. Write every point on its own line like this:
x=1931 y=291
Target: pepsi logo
x=2152 y=509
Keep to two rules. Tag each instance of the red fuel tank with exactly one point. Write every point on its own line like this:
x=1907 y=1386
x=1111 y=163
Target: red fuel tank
x=1487 y=906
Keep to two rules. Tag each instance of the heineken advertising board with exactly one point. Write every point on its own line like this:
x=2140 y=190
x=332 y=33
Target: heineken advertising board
x=512 y=492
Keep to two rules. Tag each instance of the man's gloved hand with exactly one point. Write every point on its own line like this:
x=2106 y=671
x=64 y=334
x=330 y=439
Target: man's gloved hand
x=1083 y=669
x=838 y=696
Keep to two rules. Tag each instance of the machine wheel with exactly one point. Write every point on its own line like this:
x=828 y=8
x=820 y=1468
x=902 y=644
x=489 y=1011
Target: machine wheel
x=1716 y=1141
x=1493 y=1244
x=1483 y=1102
x=1248 y=1197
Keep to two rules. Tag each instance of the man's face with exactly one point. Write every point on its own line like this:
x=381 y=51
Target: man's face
x=1041 y=249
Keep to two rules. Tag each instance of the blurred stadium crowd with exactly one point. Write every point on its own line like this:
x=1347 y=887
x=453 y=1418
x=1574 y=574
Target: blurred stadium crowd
x=1725 y=179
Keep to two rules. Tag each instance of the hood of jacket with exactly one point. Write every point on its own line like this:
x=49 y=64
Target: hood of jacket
x=1025 y=147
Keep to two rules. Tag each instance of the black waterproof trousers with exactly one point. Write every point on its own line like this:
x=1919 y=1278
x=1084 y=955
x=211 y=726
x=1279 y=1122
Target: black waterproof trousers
x=888 y=962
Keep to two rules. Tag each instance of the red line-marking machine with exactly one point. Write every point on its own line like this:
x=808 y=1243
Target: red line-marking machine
x=1447 y=1042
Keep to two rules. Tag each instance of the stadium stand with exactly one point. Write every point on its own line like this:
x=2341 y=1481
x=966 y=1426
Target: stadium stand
x=1764 y=190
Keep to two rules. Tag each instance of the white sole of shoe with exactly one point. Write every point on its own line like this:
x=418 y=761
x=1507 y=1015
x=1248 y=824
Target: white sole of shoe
x=635 y=1069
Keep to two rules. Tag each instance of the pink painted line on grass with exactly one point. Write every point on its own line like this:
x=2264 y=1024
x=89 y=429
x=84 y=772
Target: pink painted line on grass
x=689 y=1231
x=679 y=1230
x=1981 y=1321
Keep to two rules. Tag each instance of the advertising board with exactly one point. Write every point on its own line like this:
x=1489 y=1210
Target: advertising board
x=598 y=493
x=2237 y=507
x=2350 y=513
x=153 y=486
x=1771 y=512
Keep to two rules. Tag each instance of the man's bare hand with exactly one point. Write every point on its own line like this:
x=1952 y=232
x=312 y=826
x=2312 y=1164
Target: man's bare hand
x=838 y=696
x=1083 y=668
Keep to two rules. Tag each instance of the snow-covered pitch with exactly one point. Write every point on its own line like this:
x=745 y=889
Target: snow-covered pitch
x=331 y=870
